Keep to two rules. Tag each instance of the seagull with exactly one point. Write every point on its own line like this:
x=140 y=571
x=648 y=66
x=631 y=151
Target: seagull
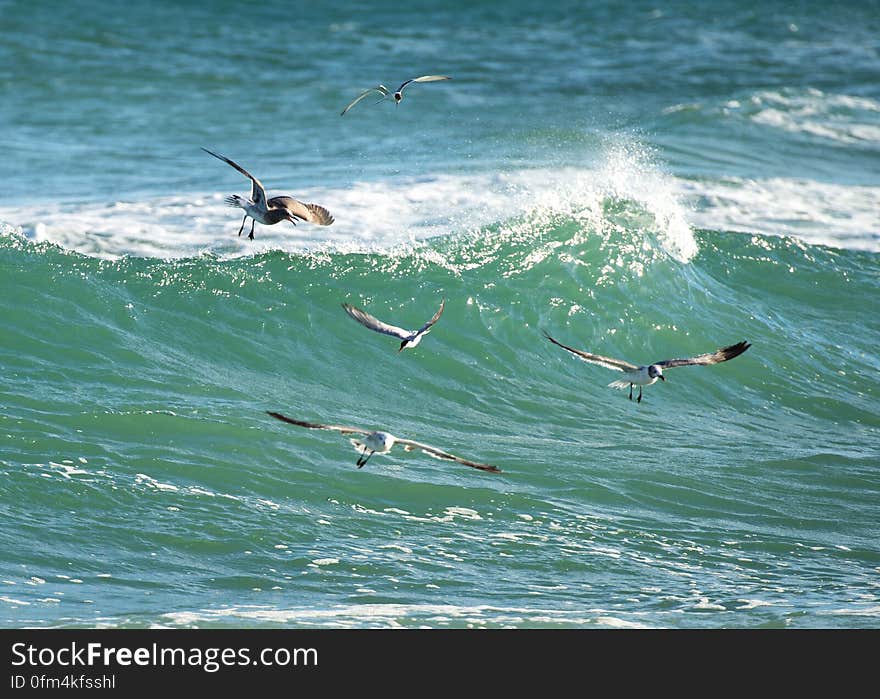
x=408 y=338
x=275 y=209
x=398 y=96
x=379 y=442
x=646 y=375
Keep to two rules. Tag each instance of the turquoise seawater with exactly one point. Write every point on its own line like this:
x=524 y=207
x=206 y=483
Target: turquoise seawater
x=643 y=182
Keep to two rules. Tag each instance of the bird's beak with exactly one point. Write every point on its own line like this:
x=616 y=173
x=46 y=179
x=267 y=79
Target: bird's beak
x=662 y=378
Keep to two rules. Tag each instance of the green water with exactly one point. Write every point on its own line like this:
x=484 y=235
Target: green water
x=143 y=483
x=643 y=181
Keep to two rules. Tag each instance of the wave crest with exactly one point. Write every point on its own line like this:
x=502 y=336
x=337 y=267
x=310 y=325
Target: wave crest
x=384 y=215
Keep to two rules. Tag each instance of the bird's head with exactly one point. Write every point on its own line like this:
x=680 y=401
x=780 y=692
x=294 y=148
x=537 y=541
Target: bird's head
x=387 y=440
x=655 y=372
x=276 y=215
x=397 y=97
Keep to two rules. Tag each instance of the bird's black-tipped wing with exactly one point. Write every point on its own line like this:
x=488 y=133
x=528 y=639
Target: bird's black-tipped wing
x=607 y=362
x=423 y=79
x=409 y=444
x=379 y=88
x=317 y=426
x=258 y=191
x=435 y=317
x=719 y=355
x=373 y=323
x=313 y=213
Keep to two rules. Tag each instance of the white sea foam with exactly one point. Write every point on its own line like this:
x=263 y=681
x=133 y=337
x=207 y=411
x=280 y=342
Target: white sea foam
x=818 y=213
x=398 y=615
x=617 y=623
x=66 y=470
x=150 y=482
x=857 y=611
x=371 y=215
x=837 y=118
x=12 y=600
x=464 y=512
x=385 y=216
x=704 y=603
x=841 y=118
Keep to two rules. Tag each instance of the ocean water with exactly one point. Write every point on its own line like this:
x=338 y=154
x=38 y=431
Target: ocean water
x=643 y=181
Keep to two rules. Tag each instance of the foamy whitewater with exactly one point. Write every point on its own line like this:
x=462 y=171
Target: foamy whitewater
x=641 y=182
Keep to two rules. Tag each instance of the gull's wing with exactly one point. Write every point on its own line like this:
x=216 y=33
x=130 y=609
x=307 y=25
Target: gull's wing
x=316 y=426
x=423 y=79
x=435 y=318
x=374 y=323
x=607 y=362
x=719 y=355
x=379 y=88
x=258 y=192
x=307 y=212
x=409 y=445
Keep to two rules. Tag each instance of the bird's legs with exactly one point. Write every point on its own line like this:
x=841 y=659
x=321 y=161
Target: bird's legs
x=242 y=225
x=251 y=234
x=364 y=458
x=630 y=391
x=640 y=395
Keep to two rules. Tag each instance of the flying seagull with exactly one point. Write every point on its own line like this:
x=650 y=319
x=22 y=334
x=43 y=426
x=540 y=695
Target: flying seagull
x=398 y=96
x=274 y=210
x=408 y=338
x=378 y=442
x=646 y=375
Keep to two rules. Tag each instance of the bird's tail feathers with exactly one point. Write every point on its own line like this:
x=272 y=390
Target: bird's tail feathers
x=619 y=384
x=358 y=446
x=234 y=201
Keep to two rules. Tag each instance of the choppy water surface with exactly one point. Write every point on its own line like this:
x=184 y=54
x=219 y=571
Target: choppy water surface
x=642 y=184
